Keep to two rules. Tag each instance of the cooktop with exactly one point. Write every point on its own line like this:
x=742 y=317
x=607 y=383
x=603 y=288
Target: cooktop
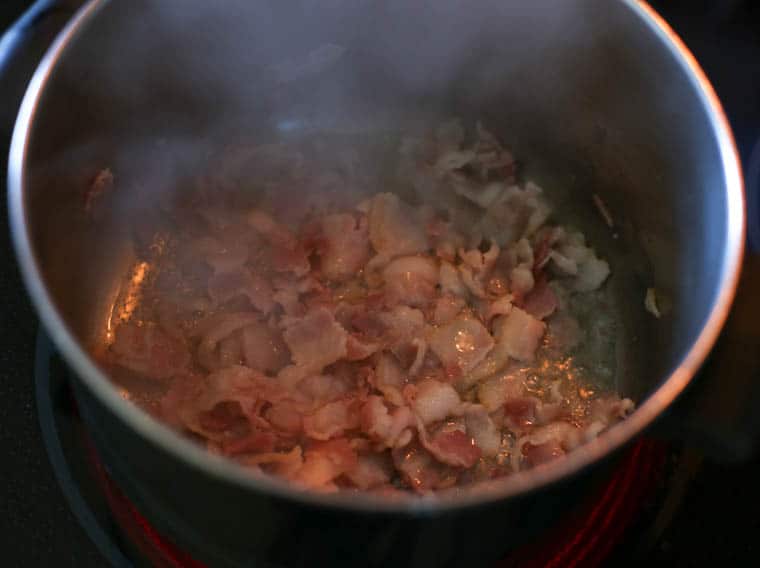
x=696 y=512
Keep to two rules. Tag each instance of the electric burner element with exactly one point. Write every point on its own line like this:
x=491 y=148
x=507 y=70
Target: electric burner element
x=584 y=538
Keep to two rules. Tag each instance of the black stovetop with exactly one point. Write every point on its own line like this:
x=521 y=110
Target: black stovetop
x=714 y=518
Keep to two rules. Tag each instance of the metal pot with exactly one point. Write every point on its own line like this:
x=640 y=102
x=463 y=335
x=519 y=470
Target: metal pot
x=595 y=97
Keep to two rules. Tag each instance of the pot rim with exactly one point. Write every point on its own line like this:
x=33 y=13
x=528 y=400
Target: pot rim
x=520 y=483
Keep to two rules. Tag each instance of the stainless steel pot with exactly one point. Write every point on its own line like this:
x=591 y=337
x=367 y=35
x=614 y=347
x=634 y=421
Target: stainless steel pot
x=596 y=97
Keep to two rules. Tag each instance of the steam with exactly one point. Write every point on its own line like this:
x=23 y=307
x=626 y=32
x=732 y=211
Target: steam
x=156 y=89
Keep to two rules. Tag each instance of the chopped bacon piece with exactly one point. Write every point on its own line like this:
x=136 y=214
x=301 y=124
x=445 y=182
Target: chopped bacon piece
x=149 y=351
x=447 y=308
x=452 y=447
x=325 y=388
x=224 y=286
x=461 y=344
x=287 y=253
x=345 y=246
x=542 y=453
x=285 y=416
x=372 y=470
x=610 y=409
x=357 y=349
x=449 y=280
x=520 y=411
x=332 y=420
x=324 y=462
x=315 y=341
x=410 y=280
x=263 y=348
x=221 y=257
x=420 y=470
x=500 y=307
x=520 y=334
x=393 y=228
x=382 y=426
x=482 y=429
x=253 y=443
x=433 y=401
x=494 y=392
x=239 y=385
x=283 y=464
x=402 y=323
x=215 y=330
x=390 y=379
x=541 y=302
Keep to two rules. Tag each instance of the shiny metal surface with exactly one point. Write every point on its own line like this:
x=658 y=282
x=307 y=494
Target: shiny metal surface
x=603 y=100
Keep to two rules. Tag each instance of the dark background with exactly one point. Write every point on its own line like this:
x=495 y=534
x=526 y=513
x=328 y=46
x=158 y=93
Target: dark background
x=715 y=519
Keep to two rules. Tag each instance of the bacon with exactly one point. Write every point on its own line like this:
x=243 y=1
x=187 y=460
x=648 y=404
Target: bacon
x=332 y=420
x=520 y=334
x=541 y=302
x=285 y=416
x=395 y=345
x=500 y=307
x=446 y=309
x=433 y=400
x=345 y=246
x=283 y=464
x=224 y=286
x=236 y=384
x=610 y=409
x=357 y=349
x=288 y=255
x=482 y=430
x=389 y=379
x=420 y=470
x=521 y=280
x=221 y=257
x=384 y=427
x=230 y=351
x=461 y=344
x=402 y=324
x=546 y=238
x=325 y=388
x=480 y=262
x=451 y=447
x=410 y=280
x=562 y=434
x=514 y=214
x=520 y=411
x=494 y=392
x=215 y=330
x=183 y=389
x=324 y=462
x=253 y=443
x=263 y=348
x=543 y=453
x=315 y=341
x=393 y=227
x=473 y=284
x=372 y=470
x=449 y=280
x=150 y=351
x=591 y=274
x=574 y=258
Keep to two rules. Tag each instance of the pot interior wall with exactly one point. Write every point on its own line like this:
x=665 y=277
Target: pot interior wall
x=588 y=97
